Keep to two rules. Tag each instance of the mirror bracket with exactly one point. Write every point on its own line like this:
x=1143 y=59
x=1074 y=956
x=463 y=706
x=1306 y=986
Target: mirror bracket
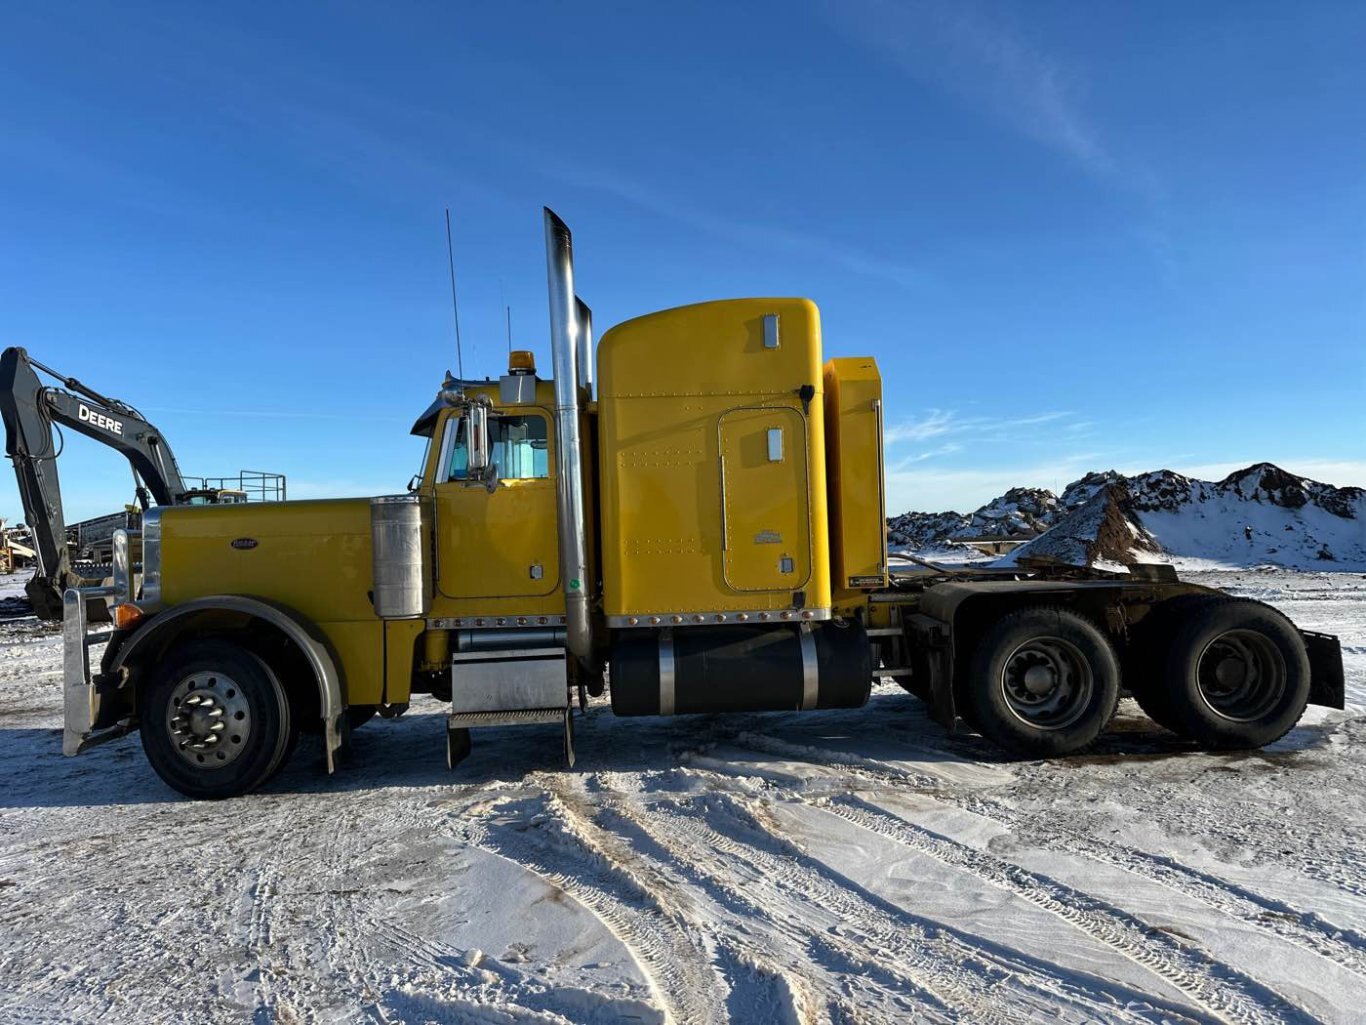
x=477 y=437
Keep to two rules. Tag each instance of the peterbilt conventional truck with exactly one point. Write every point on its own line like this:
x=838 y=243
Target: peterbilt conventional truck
x=701 y=529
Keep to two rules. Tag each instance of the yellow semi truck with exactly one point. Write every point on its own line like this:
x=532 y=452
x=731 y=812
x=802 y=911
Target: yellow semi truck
x=700 y=530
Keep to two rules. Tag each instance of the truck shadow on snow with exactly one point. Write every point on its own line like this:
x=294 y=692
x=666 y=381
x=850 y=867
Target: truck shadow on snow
x=409 y=753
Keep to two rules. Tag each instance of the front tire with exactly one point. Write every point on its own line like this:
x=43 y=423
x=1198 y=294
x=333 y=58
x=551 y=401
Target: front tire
x=1044 y=682
x=215 y=721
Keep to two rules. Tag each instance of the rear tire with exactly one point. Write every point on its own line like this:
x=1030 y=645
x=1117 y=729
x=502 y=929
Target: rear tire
x=215 y=721
x=1043 y=682
x=1237 y=675
x=1146 y=663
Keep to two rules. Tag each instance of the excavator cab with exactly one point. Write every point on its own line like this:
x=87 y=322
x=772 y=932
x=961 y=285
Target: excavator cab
x=212 y=496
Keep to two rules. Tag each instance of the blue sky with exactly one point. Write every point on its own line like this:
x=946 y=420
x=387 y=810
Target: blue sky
x=1075 y=235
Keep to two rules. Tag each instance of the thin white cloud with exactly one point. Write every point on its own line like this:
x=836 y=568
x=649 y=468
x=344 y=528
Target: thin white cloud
x=940 y=422
x=762 y=237
x=957 y=47
x=934 y=422
x=1037 y=418
x=920 y=457
x=279 y=414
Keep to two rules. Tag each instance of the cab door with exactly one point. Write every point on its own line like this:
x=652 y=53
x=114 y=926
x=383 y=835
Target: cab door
x=499 y=541
x=765 y=499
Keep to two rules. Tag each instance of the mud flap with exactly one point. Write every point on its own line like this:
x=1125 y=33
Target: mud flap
x=933 y=641
x=569 y=736
x=457 y=745
x=1327 y=685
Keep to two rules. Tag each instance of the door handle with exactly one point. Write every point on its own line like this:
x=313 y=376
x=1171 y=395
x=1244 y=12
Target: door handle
x=725 y=531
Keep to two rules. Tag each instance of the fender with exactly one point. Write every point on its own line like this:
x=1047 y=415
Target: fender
x=296 y=627
x=943 y=628
x=942 y=601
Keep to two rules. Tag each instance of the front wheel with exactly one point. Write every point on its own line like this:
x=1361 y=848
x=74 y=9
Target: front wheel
x=215 y=721
x=1043 y=682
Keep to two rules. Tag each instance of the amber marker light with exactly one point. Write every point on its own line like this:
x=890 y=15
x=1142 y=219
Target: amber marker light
x=126 y=615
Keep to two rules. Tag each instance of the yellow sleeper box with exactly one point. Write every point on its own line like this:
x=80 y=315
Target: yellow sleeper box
x=712 y=444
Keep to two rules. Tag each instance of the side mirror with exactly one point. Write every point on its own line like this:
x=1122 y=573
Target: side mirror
x=478 y=418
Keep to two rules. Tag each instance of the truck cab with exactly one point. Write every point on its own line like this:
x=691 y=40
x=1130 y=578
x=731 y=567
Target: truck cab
x=494 y=542
x=701 y=530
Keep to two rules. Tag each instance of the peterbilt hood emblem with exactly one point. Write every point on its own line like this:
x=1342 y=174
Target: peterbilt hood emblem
x=244 y=543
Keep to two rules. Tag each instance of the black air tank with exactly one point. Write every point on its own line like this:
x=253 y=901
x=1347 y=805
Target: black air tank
x=740 y=669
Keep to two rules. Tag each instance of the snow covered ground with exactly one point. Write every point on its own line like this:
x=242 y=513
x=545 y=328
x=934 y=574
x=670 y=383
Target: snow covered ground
x=840 y=866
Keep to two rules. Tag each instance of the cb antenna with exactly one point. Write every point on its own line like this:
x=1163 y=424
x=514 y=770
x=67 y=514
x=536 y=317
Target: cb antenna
x=502 y=297
x=455 y=305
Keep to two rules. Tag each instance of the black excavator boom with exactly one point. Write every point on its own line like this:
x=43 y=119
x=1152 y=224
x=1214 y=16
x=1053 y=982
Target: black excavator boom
x=31 y=409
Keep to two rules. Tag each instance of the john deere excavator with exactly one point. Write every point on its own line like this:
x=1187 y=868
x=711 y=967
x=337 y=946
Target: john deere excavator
x=31 y=410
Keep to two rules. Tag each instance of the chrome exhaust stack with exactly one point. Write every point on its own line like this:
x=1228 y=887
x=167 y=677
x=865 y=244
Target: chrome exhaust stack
x=584 y=339
x=566 y=338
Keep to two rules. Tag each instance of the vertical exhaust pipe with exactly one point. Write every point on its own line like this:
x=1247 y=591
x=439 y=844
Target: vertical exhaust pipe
x=585 y=345
x=565 y=340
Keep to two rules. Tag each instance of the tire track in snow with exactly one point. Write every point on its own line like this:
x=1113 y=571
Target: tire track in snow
x=132 y=935
x=746 y=906
x=766 y=940
x=417 y=964
x=276 y=992
x=956 y=969
x=485 y=987
x=571 y=858
x=858 y=770
x=1305 y=929
x=1217 y=987
x=329 y=841
x=348 y=943
x=845 y=763
x=1337 y=858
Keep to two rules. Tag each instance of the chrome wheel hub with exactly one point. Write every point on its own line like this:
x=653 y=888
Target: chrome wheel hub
x=209 y=720
x=1047 y=683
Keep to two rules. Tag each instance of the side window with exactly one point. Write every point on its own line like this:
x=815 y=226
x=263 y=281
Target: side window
x=518 y=446
x=459 y=468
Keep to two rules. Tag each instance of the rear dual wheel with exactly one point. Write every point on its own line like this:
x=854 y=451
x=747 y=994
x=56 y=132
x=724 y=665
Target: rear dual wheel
x=1230 y=673
x=1043 y=682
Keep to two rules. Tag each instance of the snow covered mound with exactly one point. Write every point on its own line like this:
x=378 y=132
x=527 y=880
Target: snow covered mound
x=925 y=530
x=1102 y=532
x=1258 y=516
x=1020 y=512
x=1262 y=515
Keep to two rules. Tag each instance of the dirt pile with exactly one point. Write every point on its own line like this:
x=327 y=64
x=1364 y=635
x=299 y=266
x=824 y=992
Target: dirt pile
x=1260 y=515
x=1103 y=532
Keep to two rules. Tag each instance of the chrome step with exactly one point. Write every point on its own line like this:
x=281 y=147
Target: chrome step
x=508 y=687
